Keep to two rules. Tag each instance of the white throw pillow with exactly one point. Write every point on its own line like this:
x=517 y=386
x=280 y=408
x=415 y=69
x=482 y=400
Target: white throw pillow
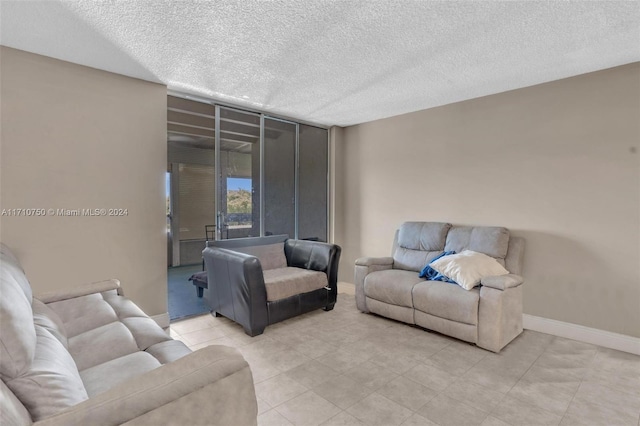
x=468 y=268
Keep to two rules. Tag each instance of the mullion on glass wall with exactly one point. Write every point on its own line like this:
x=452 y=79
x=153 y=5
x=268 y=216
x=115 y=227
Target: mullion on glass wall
x=218 y=195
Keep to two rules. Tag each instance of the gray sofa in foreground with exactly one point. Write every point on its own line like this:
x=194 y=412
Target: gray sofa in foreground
x=89 y=356
x=489 y=315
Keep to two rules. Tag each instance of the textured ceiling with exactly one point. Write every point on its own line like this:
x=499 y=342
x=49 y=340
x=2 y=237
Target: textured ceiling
x=332 y=62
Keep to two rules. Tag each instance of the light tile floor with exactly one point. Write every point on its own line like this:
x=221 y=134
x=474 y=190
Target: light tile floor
x=348 y=368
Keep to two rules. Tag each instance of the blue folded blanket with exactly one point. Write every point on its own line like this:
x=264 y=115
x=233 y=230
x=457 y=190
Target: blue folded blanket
x=431 y=274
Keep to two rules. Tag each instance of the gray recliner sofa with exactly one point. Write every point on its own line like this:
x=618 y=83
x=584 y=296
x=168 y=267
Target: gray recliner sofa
x=489 y=315
x=90 y=356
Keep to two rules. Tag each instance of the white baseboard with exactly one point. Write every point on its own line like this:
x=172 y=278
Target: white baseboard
x=162 y=319
x=581 y=333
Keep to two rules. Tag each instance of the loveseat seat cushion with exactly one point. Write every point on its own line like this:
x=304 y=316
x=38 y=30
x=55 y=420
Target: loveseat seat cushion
x=392 y=286
x=285 y=282
x=448 y=301
x=52 y=382
x=490 y=240
x=102 y=377
x=418 y=243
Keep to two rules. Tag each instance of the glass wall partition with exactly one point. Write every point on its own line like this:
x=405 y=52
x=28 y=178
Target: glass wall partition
x=191 y=158
x=237 y=173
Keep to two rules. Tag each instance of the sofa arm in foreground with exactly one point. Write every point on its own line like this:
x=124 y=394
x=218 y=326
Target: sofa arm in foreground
x=502 y=282
x=81 y=290
x=365 y=266
x=212 y=386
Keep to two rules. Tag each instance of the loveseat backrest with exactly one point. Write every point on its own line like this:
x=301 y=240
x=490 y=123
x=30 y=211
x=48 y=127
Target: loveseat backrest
x=490 y=240
x=417 y=243
x=515 y=255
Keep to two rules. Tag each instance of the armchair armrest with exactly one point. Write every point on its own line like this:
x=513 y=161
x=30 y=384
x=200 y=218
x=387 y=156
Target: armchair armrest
x=82 y=290
x=502 y=282
x=210 y=386
x=378 y=261
x=236 y=288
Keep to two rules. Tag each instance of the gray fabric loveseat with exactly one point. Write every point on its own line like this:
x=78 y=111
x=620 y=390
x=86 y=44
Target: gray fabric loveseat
x=90 y=356
x=489 y=315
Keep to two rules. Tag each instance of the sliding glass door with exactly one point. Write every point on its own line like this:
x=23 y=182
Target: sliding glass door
x=191 y=163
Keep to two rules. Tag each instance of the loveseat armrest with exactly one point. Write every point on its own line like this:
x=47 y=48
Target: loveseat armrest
x=365 y=266
x=81 y=290
x=378 y=261
x=211 y=386
x=502 y=282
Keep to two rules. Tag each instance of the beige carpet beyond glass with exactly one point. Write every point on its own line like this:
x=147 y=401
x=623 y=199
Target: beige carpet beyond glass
x=348 y=368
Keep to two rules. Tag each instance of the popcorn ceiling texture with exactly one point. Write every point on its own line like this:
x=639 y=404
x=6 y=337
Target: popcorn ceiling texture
x=332 y=62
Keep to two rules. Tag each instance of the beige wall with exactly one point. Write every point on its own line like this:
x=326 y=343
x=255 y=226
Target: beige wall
x=556 y=163
x=74 y=137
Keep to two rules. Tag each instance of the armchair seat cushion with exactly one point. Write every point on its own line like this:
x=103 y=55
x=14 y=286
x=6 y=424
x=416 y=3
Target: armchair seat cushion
x=448 y=301
x=392 y=286
x=285 y=282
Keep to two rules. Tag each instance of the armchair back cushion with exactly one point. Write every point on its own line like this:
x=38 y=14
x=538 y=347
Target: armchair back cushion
x=270 y=256
x=269 y=250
